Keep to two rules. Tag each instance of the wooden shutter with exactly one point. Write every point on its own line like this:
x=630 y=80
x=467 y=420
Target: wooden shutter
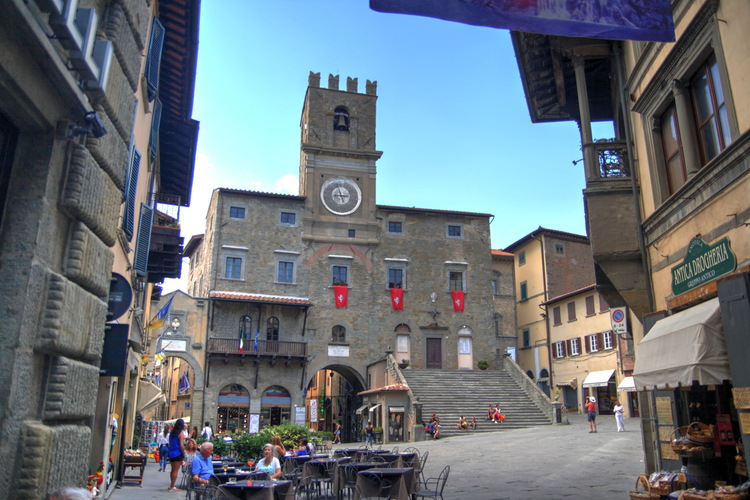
x=153 y=140
x=587 y=340
x=131 y=190
x=153 y=60
x=140 y=260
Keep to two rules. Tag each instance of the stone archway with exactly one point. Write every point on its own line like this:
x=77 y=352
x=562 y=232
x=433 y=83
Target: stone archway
x=332 y=396
x=196 y=401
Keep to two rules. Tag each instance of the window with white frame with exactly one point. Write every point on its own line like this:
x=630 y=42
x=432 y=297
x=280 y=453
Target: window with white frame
x=286 y=266
x=593 y=343
x=559 y=350
x=455 y=281
x=607 y=339
x=575 y=347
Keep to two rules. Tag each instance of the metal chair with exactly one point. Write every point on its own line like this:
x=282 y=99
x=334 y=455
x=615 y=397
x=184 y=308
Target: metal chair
x=433 y=487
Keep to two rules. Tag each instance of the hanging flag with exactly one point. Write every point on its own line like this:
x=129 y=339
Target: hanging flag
x=242 y=339
x=397 y=299
x=255 y=342
x=162 y=317
x=184 y=384
x=340 y=295
x=615 y=19
x=458 y=300
x=160 y=356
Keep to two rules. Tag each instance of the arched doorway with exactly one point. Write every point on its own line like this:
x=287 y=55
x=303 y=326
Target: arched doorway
x=331 y=396
x=233 y=408
x=543 y=381
x=275 y=406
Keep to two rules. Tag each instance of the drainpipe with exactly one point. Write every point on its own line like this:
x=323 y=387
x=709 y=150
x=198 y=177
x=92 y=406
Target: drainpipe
x=546 y=323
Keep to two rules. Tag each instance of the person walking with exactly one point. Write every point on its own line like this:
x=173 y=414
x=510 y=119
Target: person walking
x=176 y=451
x=162 y=441
x=207 y=432
x=369 y=435
x=337 y=434
x=591 y=413
x=619 y=416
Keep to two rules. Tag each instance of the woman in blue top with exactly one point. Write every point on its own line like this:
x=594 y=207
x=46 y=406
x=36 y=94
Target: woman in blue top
x=176 y=451
x=269 y=464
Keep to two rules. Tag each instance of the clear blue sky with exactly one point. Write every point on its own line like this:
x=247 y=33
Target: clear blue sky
x=452 y=120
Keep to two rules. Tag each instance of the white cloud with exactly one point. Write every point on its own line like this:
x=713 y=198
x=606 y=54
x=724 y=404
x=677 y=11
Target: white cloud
x=288 y=184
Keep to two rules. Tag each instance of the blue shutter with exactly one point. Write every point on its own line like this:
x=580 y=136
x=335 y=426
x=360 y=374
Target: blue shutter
x=131 y=190
x=140 y=261
x=153 y=60
x=153 y=141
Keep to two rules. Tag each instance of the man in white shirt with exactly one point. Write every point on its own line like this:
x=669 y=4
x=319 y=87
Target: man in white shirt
x=207 y=433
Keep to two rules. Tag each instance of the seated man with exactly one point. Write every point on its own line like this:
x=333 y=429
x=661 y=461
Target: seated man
x=203 y=466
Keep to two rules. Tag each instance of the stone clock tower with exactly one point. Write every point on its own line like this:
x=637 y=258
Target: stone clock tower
x=337 y=162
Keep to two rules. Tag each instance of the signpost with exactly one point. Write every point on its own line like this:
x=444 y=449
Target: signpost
x=703 y=263
x=619 y=319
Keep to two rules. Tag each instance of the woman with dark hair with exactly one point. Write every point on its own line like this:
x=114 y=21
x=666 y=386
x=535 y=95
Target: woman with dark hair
x=194 y=433
x=162 y=441
x=176 y=451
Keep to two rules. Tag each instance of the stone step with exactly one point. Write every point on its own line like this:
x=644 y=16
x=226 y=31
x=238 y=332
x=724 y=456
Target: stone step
x=451 y=394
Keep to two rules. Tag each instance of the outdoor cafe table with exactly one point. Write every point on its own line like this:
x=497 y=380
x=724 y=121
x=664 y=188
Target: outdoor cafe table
x=257 y=490
x=339 y=473
x=402 y=481
x=240 y=475
x=291 y=462
x=361 y=455
x=346 y=452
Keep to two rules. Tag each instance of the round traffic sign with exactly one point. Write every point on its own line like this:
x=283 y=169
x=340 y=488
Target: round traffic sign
x=618 y=315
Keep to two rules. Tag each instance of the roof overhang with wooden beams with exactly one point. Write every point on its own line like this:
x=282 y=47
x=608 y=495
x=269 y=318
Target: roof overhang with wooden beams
x=548 y=77
x=178 y=132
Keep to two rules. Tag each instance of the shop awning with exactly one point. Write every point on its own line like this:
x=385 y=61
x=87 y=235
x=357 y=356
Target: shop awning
x=374 y=408
x=396 y=409
x=627 y=385
x=598 y=379
x=362 y=408
x=569 y=383
x=684 y=347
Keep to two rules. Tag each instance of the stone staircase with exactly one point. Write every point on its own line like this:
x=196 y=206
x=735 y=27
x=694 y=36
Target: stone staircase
x=451 y=394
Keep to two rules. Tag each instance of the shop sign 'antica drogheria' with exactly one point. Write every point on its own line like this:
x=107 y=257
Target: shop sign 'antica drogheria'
x=703 y=263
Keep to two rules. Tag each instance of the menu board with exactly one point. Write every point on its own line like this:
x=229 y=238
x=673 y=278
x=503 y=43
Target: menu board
x=664 y=410
x=741 y=397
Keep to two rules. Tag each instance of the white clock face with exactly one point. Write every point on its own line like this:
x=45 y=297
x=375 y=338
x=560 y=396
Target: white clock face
x=341 y=196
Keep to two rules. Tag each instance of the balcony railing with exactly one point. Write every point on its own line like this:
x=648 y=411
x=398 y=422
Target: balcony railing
x=265 y=348
x=612 y=158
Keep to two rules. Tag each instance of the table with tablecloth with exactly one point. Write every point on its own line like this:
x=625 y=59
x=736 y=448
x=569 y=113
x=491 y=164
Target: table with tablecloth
x=340 y=472
x=257 y=490
x=403 y=481
x=240 y=475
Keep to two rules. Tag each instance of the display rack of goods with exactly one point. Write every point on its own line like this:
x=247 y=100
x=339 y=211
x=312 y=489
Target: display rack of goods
x=646 y=493
x=134 y=465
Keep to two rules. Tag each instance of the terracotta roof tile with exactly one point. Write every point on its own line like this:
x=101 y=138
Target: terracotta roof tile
x=259 y=297
x=387 y=388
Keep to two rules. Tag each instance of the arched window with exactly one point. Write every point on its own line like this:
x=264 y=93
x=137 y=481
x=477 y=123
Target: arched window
x=402 y=328
x=338 y=334
x=544 y=373
x=341 y=119
x=272 y=328
x=246 y=327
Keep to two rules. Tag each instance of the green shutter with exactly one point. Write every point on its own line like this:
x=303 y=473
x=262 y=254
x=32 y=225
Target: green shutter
x=140 y=261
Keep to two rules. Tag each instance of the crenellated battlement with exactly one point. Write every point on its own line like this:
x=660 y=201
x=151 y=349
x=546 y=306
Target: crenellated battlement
x=371 y=87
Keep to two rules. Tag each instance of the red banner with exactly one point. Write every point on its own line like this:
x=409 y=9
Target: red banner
x=340 y=295
x=397 y=299
x=458 y=300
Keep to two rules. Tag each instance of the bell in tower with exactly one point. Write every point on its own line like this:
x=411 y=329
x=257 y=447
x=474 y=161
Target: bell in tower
x=341 y=119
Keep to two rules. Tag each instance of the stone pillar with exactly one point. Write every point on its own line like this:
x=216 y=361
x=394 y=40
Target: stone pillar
x=590 y=160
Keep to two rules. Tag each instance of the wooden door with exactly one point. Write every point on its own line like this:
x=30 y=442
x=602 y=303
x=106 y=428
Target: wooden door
x=434 y=350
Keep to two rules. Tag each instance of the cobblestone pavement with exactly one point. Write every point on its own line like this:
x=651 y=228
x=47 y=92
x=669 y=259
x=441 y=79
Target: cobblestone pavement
x=545 y=462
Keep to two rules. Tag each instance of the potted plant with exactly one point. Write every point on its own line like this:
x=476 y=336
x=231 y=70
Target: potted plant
x=378 y=432
x=482 y=364
x=404 y=363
